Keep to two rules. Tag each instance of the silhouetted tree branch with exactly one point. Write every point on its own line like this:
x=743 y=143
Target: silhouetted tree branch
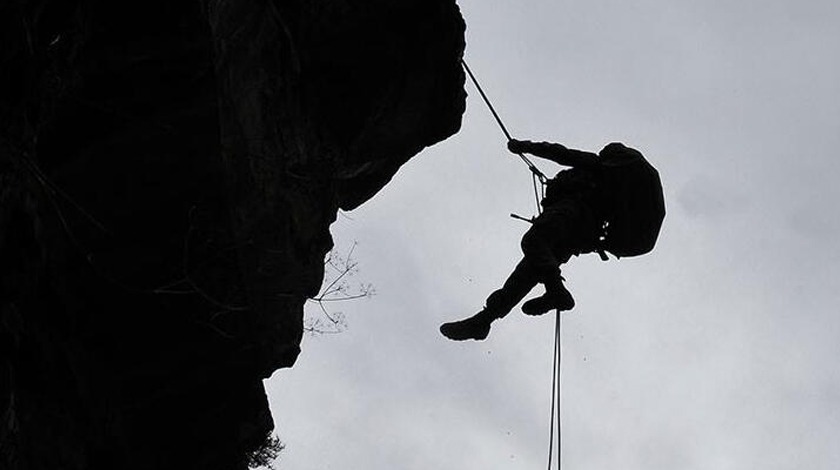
x=338 y=287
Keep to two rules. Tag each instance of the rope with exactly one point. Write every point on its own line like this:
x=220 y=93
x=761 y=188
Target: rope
x=538 y=175
x=539 y=180
x=556 y=396
x=539 y=191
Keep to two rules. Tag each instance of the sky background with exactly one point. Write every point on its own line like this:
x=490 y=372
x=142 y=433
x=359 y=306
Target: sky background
x=716 y=351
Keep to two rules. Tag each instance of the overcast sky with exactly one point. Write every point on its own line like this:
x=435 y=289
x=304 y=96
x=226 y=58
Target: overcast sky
x=717 y=351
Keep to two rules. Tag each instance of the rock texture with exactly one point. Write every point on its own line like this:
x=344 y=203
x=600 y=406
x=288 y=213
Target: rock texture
x=168 y=175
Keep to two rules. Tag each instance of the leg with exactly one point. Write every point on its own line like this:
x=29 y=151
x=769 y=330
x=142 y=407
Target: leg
x=516 y=287
x=499 y=304
x=545 y=255
x=557 y=234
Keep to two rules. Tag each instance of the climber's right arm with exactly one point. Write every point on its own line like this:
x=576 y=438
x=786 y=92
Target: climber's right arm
x=555 y=152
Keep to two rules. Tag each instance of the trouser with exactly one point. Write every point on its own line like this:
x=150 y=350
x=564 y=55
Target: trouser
x=562 y=230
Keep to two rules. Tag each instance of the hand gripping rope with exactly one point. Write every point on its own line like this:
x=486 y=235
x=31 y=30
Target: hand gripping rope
x=539 y=180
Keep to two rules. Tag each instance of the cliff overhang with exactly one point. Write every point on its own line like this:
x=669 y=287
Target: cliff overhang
x=168 y=175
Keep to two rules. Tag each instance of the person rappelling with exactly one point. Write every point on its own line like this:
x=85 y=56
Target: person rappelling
x=609 y=202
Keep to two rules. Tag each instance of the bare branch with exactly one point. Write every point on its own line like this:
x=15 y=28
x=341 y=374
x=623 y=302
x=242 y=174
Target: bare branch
x=337 y=288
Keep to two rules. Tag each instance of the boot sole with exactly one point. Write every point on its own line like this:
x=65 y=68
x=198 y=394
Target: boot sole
x=454 y=336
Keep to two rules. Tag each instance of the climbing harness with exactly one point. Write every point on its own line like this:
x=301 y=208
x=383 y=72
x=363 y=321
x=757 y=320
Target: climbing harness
x=539 y=180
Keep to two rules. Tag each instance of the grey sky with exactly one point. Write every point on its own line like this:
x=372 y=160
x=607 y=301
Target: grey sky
x=716 y=351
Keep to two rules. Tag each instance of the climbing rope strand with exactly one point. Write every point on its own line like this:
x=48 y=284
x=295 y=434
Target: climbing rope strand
x=553 y=401
x=486 y=100
x=556 y=396
x=539 y=179
x=536 y=171
x=539 y=190
x=558 y=339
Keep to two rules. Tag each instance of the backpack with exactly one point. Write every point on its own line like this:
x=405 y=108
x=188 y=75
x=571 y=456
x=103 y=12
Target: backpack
x=634 y=200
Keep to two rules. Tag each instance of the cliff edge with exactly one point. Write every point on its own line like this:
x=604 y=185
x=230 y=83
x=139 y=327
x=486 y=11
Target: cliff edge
x=168 y=175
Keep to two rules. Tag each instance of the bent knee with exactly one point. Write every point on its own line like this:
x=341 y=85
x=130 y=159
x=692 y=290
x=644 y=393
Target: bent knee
x=534 y=241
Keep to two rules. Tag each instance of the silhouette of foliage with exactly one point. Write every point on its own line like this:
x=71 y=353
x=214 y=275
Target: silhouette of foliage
x=266 y=453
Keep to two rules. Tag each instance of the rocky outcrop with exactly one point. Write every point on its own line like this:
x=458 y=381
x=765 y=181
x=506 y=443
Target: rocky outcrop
x=168 y=175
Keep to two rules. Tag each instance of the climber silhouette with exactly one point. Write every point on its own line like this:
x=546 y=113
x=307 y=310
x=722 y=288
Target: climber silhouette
x=607 y=202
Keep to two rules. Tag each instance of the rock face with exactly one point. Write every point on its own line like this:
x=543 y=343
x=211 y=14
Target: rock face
x=168 y=175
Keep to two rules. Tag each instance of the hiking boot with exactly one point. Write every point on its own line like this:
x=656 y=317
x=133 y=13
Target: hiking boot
x=558 y=299
x=476 y=327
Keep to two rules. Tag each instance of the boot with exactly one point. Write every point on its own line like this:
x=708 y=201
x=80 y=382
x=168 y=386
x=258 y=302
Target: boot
x=476 y=327
x=556 y=297
x=548 y=302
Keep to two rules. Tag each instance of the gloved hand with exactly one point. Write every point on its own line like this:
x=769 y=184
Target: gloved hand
x=519 y=146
